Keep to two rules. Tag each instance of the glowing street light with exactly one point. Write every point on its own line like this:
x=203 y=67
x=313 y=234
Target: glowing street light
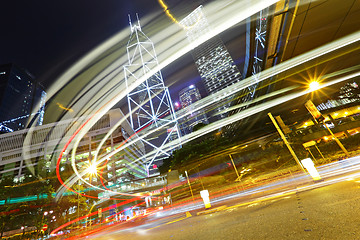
x=314 y=85
x=92 y=169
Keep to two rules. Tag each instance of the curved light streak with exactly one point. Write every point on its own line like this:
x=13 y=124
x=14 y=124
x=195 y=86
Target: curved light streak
x=251 y=111
x=227 y=23
x=267 y=74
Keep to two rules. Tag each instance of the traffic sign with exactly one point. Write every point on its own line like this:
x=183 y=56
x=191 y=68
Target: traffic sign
x=45 y=227
x=112 y=211
x=314 y=111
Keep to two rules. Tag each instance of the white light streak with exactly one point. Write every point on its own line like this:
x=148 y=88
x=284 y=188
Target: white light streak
x=107 y=87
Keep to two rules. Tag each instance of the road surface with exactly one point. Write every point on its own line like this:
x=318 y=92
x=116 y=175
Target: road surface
x=329 y=212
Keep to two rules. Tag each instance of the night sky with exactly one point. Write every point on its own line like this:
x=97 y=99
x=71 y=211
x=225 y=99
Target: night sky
x=46 y=37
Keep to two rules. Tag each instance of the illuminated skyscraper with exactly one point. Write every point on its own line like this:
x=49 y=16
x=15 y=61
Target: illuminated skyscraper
x=151 y=111
x=187 y=97
x=213 y=61
x=20 y=94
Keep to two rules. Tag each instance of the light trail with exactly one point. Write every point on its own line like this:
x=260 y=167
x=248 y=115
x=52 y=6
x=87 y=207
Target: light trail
x=100 y=101
x=254 y=7
x=167 y=11
x=259 y=108
x=249 y=112
x=91 y=214
x=62 y=107
x=239 y=116
x=311 y=57
x=259 y=99
x=284 y=186
x=188 y=140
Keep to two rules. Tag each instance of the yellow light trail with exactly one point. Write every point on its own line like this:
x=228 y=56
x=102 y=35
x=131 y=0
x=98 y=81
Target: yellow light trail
x=241 y=85
x=102 y=97
x=62 y=107
x=168 y=13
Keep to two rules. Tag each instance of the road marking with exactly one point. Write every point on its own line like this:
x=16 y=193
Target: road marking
x=211 y=210
x=253 y=204
x=262 y=199
x=188 y=214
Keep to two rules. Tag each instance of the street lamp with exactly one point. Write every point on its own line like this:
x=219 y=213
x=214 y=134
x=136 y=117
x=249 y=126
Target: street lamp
x=92 y=169
x=314 y=85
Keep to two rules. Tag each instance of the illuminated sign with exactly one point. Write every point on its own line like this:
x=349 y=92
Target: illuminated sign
x=314 y=111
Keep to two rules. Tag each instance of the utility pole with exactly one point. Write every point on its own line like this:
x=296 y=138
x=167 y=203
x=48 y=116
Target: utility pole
x=192 y=195
x=285 y=141
x=319 y=118
x=238 y=179
x=337 y=141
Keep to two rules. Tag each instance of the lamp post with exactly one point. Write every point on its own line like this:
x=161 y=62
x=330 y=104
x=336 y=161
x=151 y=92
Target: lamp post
x=238 y=179
x=42 y=222
x=192 y=195
x=44 y=214
x=313 y=86
x=337 y=140
x=285 y=141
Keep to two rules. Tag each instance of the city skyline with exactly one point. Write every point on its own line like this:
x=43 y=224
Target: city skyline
x=108 y=162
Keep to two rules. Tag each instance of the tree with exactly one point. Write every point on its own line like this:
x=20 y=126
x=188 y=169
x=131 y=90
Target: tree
x=25 y=212
x=198 y=126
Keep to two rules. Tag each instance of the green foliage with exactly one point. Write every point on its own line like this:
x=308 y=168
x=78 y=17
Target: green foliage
x=198 y=126
x=188 y=153
x=24 y=213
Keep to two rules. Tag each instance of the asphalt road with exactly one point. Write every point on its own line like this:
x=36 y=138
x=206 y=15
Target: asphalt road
x=330 y=212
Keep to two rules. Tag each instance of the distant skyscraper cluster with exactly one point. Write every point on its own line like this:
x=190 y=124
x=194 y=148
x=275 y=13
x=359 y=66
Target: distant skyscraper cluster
x=349 y=93
x=20 y=94
x=188 y=96
x=213 y=61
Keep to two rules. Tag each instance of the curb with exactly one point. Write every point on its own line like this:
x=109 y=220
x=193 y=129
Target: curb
x=211 y=210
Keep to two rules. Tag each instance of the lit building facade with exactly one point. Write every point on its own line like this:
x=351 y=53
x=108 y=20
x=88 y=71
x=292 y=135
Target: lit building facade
x=41 y=155
x=19 y=96
x=349 y=93
x=213 y=61
x=188 y=96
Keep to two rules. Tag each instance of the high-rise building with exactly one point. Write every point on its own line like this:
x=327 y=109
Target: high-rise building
x=348 y=94
x=20 y=94
x=188 y=96
x=152 y=115
x=213 y=61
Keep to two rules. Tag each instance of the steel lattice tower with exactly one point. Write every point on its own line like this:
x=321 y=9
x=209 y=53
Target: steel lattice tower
x=151 y=111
